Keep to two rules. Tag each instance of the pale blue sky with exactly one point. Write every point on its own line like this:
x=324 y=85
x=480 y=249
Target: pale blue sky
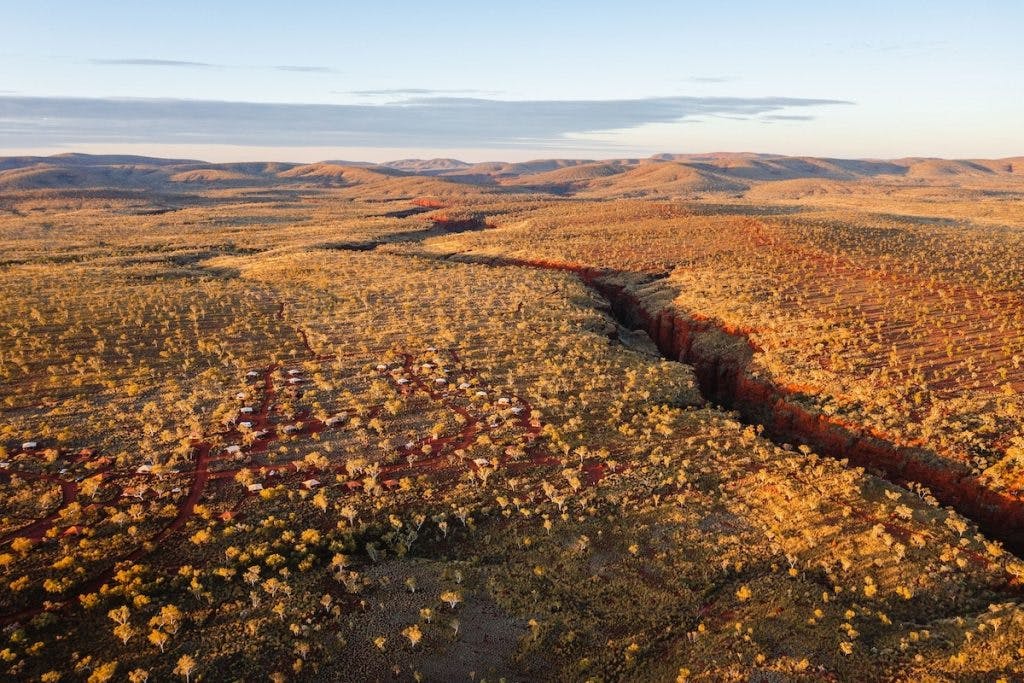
x=512 y=80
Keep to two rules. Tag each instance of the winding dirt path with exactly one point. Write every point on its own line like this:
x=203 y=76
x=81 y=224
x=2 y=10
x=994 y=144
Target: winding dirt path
x=36 y=529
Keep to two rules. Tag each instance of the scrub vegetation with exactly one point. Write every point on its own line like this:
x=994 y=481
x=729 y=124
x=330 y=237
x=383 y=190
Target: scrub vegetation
x=674 y=419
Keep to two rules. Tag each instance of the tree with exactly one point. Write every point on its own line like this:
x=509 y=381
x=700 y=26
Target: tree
x=170 y=618
x=21 y=545
x=124 y=632
x=159 y=638
x=271 y=586
x=120 y=615
x=339 y=562
x=103 y=672
x=452 y=598
x=185 y=667
x=349 y=513
x=252 y=575
x=413 y=634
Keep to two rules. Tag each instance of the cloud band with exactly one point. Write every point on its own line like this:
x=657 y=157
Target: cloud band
x=420 y=121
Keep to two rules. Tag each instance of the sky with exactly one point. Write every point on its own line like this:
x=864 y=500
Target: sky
x=381 y=80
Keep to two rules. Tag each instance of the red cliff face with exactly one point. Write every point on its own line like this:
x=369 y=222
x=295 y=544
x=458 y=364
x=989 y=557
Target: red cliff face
x=722 y=357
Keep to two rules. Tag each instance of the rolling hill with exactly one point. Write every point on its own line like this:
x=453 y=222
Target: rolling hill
x=662 y=175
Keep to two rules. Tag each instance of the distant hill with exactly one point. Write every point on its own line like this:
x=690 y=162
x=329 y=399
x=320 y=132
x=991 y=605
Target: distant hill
x=211 y=176
x=663 y=175
x=323 y=172
x=574 y=175
x=945 y=168
x=664 y=178
x=80 y=171
x=427 y=165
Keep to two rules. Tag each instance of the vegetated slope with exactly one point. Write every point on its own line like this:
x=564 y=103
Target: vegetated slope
x=39 y=177
x=499 y=171
x=540 y=165
x=944 y=168
x=1012 y=165
x=56 y=173
x=73 y=159
x=212 y=176
x=570 y=177
x=331 y=173
x=801 y=188
x=45 y=175
x=661 y=179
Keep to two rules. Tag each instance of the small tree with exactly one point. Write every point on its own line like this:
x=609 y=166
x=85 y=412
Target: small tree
x=170 y=618
x=120 y=615
x=124 y=632
x=103 y=672
x=349 y=513
x=185 y=668
x=453 y=598
x=413 y=634
x=159 y=638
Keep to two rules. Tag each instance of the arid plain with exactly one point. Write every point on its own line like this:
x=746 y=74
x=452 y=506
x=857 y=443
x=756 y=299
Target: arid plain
x=706 y=417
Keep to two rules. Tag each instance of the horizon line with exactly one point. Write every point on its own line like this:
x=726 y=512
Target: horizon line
x=10 y=153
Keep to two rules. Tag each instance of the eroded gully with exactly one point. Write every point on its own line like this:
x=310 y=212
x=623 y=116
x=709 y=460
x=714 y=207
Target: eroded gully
x=722 y=358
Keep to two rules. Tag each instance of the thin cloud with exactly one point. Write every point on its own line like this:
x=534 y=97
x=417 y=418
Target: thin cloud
x=410 y=92
x=788 y=117
x=138 y=61
x=711 y=79
x=414 y=122
x=155 y=62
x=306 y=69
